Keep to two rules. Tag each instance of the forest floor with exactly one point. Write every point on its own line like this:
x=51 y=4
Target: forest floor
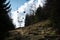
x=38 y=31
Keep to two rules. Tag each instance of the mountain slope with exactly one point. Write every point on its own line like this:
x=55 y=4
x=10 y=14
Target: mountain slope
x=39 y=31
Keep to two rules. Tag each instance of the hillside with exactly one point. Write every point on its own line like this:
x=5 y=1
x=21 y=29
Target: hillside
x=38 y=31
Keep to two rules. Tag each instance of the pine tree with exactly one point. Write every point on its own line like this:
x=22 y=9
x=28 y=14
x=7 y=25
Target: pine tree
x=5 y=21
x=30 y=19
x=27 y=21
x=40 y=15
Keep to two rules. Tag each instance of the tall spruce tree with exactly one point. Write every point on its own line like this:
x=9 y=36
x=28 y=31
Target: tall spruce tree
x=40 y=15
x=27 y=20
x=30 y=19
x=5 y=21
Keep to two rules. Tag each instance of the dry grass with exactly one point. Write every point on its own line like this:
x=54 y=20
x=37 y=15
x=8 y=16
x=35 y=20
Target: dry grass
x=33 y=32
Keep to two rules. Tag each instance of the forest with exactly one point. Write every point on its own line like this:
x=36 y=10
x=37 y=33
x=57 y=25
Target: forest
x=44 y=25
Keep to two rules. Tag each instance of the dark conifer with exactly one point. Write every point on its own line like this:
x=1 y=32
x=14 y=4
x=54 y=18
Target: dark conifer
x=5 y=21
x=52 y=8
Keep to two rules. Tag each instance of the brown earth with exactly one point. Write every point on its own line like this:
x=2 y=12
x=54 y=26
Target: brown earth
x=38 y=31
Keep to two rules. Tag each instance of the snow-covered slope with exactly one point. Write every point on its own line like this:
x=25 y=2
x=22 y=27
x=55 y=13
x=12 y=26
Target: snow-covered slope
x=18 y=16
